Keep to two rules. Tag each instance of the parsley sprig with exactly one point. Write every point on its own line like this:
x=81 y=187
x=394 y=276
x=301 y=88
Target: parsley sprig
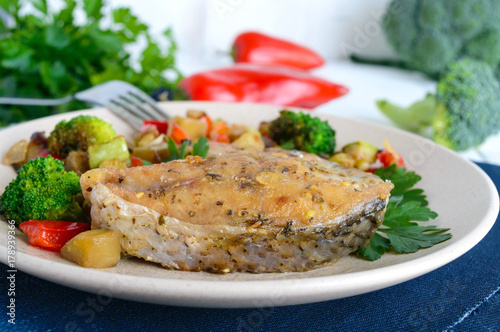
x=200 y=148
x=400 y=230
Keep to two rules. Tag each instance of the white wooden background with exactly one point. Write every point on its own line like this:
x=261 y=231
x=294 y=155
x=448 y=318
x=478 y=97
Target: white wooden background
x=205 y=29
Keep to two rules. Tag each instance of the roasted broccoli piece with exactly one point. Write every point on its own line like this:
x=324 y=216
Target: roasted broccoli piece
x=300 y=131
x=428 y=35
x=42 y=190
x=78 y=134
x=463 y=112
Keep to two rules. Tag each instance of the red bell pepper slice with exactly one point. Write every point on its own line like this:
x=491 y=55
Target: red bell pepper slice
x=162 y=126
x=251 y=83
x=261 y=49
x=45 y=152
x=389 y=156
x=52 y=234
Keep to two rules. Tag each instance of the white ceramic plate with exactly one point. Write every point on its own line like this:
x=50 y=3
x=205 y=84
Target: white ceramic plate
x=462 y=194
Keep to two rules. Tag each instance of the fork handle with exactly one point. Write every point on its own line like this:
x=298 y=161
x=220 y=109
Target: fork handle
x=34 y=101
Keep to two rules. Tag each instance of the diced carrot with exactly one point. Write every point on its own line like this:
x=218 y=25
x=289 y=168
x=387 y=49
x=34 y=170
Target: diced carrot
x=178 y=134
x=134 y=161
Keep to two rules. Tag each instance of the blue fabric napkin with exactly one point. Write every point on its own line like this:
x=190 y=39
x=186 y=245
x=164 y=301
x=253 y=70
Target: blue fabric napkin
x=461 y=296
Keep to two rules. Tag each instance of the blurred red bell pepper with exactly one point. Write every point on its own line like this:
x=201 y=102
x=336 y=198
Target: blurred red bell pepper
x=162 y=126
x=52 y=234
x=45 y=152
x=252 y=83
x=260 y=49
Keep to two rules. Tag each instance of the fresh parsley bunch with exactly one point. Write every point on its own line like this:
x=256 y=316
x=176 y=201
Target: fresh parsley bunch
x=400 y=231
x=46 y=54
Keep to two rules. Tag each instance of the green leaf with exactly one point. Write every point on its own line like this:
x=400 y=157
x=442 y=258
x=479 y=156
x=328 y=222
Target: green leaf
x=8 y=86
x=21 y=61
x=131 y=25
x=55 y=37
x=378 y=246
x=55 y=77
x=406 y=206
x=401 y=215
x=40 y=5
x=65 y=16
x=174 y=152
x=412 y=195
x=408 y=239
x=93 y=9
x=401 y=179
x=182 y=149
x=201 y=147
x=172 y=148
x=106 y=40
x=10 y=6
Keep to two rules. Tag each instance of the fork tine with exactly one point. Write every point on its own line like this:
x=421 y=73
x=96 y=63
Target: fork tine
x=161 y=115
x=126 y=106
x=129 y=117
x=140 y=107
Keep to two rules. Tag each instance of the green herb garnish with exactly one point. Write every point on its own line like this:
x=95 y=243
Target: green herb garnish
x=200 y=148
x=400 y=231
x=174 y=152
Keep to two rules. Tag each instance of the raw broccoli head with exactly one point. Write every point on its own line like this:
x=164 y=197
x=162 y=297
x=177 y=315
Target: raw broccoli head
x=428 y=35
x=78 y=134
x=464 y=111
x=42 y=190
x=300 y=131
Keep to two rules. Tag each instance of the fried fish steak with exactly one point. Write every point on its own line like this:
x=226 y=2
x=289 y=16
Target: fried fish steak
x=267 y=211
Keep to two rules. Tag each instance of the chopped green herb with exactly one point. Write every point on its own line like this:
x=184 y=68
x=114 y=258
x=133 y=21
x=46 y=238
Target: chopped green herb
x=200 y=148
x=405 y=207
x=174 y=152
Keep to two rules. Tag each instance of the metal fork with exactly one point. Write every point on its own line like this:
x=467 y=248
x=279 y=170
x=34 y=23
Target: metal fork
x=122 y=98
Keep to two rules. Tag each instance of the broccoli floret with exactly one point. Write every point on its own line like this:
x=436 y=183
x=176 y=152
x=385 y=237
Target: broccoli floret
x=300 y=131
x=463 y=112
x=78 y=134
x=428 y=35
x=42 y=190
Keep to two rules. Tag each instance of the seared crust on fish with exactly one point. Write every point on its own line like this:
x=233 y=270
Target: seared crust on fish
x=270 y=211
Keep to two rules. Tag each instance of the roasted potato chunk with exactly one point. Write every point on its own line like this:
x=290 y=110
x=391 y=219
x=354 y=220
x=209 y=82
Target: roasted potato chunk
x=97 y=248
